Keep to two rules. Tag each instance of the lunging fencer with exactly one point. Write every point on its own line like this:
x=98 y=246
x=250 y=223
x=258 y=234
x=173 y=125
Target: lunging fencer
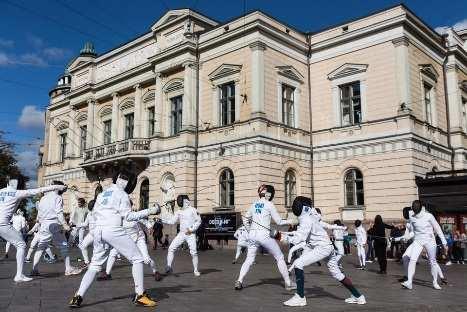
x=53 y=226
x=189 y=222
x=111 y=208
x=258 y=221
x=313 y=238
x=241 y=234
x=10 y=197
x=361 y=241
x=35 y=240
x=424 y=226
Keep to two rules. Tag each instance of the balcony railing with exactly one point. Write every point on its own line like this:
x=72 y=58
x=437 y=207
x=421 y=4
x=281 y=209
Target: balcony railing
x=122 y=148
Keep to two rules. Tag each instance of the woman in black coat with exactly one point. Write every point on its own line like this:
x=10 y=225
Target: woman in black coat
x=379 y=242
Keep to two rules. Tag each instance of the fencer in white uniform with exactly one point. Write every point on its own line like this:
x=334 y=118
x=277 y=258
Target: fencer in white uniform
x=35 y=240
x=77 y=218
x=338 y=235
x=53 y=226
x=258 y=222
x=111 y=208
x=189 y=222
x=361 y=240
x=316 y=244
x=424 y=227
x=241 y=234
x=89 y=224
x=18 y=221
x=10 y=197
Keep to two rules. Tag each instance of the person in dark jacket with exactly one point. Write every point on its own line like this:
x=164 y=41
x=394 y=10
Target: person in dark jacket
x=380 y=243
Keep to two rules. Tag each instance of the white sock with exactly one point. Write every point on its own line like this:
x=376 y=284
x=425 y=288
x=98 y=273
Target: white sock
x=440 y=273
x=19 y=261
x=138 y=277
x=152 y=264
x=49 y=252
x=110 y=263
x=7 y=247
x=86 y=282
x=28 y=256
x=84 y=252
x=37 y=258
x=237 y=254
x=194 y=259
x=283 y=270
x=245 y=268
x=411 y=270
x=67 y=263
x=170 y=258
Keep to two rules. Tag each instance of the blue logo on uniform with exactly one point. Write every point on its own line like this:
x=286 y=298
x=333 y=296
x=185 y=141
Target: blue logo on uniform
x=259 y=207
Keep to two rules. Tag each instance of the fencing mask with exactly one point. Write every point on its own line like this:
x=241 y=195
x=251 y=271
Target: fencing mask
x=59 y=183
x=122 y=180
x=15 y=182
x=357 y=223
x=300 y=203
x=266 y=191
x=183 y=200
x=406 y=213
x=416 y=207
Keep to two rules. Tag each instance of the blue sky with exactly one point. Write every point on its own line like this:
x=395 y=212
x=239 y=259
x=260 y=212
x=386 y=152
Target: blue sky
x=38 y=39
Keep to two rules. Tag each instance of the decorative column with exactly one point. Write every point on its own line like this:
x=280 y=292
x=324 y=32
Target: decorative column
x=189 y=100
x=257 y=79
x=401 y=46
x=454 y=95
x=140 y=121
x=115 y=114
x=74 y=147
x=158 y=105
x=90 y=124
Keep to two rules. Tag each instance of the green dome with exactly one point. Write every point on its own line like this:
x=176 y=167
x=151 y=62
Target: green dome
x=88 y=50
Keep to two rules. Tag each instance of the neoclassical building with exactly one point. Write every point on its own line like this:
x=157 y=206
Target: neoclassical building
x=349 y=115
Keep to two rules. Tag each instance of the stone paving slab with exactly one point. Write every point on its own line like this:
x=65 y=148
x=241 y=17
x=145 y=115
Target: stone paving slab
x=213 y=290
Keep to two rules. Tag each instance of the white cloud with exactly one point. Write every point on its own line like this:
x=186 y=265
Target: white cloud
x=27 y=162
x=6 y=43
x=461 y=25
x=54 y=53
x=5 y=59
x=31 y=118
x=32 y=59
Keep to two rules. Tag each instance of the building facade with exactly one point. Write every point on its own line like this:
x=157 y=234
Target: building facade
x=235 y=102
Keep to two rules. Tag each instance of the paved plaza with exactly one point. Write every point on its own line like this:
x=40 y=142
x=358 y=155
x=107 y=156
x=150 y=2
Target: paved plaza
x=213 y=290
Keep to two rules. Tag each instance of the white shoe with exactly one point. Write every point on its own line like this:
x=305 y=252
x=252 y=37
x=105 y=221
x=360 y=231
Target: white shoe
x=296 y=301
x=291 y=286
x=196 y=273
x=407 y=285
x=73 y=271
x=27 y=260
x=355 y=300
x=448 y=263
x=436 y=286
x=21 y=279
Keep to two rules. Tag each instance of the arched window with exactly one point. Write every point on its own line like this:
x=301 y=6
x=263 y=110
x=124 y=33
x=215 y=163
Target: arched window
x=353 y=183
x=226 y=189
x=290 y=187
x=144 y=195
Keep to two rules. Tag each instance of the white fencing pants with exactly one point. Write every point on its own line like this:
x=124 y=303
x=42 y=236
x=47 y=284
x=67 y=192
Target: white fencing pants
x=261 y=238
x=33 y=245
x=84 y=244
x=52 y=233
x=416 y=249
x=241 y=243
x=116 y=237
x=319 y=253
x=361 y=253
x=340 y=249
x=8 y=233
x=177 y=242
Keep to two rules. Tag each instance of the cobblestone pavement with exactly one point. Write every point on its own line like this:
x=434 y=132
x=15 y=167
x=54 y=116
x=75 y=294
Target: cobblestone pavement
x=213 y=290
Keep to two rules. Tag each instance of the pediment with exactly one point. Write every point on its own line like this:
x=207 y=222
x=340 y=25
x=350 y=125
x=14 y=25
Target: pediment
x=347 y=69
x=429 y=70
x=80 y=60
x=106 y=110
x=290 y=72
x=173 y=85
x=176 y=15
x=127 y=103
x=62 y=125
x=224 y=70
x=81 y=117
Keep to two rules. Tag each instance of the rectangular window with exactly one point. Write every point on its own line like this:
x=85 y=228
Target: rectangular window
x=227 y=103
x=107 y=131
x=464 y=113
x=82 y=142
x=63 y=146
x=151 y=120
x=129 y=125
x=427 y=98
x=288 y=105
x=351 y=107
x=176 y=114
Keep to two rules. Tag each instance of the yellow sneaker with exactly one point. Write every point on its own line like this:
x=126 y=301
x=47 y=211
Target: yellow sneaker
x=145 y=301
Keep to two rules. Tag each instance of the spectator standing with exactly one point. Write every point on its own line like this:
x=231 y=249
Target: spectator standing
x=380 y=242
x=450 y=241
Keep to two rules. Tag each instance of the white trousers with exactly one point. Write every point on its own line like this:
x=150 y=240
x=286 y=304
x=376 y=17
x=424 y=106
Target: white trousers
x=84 y=244
x=241 y=243
x=361 y=253
x=117 y=238
x=177 y=242
x=319 y=253
x=340 y=249
x=51 y=233
x=33 y=245
x=261 y=238
x=412 y=254
x=8 y=233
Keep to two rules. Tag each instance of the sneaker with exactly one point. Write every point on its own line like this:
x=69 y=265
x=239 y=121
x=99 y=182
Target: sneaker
x=75 y=302
x=34 y=273
x=407 y=285
x=355 y=300
x=104 y=277
x=361 y=268
x=444 y=281
x=238 y=285
x=291 y=286
x=21 y=279
x=157 y=276
x=296 y=301
x=168 y=270
x=196 y=273
x=144 y=300
x=448 y=263
x=369 y=261
x=73 y=271
x=436 y=286
x=234 y=261
x=27 y=260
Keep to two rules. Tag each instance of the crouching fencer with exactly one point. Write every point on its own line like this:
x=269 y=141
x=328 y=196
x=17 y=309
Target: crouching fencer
x=258 y=220
x=189 y=222
x=53 y=226
x=10 y=197
x=424 y=227
x=241 y=234
x=317 y=246
x=111 y=208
